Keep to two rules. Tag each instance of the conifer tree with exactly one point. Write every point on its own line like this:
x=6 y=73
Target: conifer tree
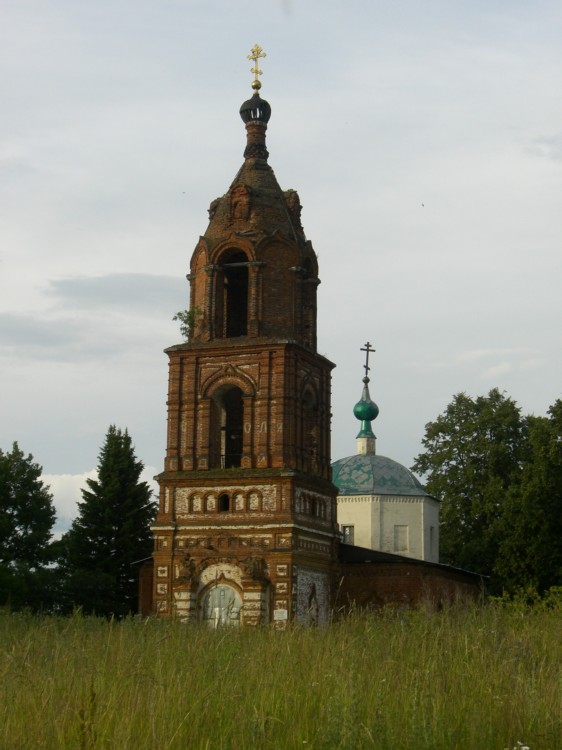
x=111 y=534
x=27 y=515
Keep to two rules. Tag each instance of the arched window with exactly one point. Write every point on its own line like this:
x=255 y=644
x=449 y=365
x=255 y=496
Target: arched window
x=234 y=294
x=224 y=503
x=227 y=419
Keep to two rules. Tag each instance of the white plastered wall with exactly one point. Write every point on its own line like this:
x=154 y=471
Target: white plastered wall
x=374 y=518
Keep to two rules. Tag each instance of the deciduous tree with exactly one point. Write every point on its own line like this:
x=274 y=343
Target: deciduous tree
x=27 y=515
x=499 y=478
x=473 y=454
x=530 y=552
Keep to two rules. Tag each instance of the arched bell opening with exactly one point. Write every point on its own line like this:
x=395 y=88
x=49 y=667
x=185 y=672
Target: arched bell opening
x=227 y=421
x=233 y=294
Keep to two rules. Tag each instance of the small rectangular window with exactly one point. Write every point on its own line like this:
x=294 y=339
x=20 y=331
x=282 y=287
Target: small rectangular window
x=400 y=538
x=348 y=534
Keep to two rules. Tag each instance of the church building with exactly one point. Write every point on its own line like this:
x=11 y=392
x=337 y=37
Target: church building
x=381 y=504
x=247 y=530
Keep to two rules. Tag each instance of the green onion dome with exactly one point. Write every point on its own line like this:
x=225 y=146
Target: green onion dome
x=365 y=411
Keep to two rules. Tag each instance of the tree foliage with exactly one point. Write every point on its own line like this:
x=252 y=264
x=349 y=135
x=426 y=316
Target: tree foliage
x=111 y=534
x=472 y=456
x=531 y=542
x=27 y=515
x=498 y=476
x=187 y=320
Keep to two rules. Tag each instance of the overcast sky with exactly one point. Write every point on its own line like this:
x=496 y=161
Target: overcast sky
x=424 y=139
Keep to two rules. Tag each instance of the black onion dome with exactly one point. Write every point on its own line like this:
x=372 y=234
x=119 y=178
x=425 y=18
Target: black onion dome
x=255 y=108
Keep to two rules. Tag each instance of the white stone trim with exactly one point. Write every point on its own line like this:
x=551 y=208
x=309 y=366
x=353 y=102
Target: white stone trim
x=199 y=527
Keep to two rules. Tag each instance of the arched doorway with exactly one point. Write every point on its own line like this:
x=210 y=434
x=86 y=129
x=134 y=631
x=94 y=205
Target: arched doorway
x=221 y=605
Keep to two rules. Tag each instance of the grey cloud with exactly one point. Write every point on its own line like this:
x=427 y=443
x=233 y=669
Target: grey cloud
x=27 y=337
x=29 y=331
x=61 y=339
x=151 y=295
x=95 y=317
x=549 y=147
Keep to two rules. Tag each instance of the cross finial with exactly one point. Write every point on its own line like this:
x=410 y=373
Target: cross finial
x=368 y=349
x=256 y=53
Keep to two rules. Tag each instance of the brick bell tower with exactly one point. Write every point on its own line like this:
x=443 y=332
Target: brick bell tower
x=246 y=531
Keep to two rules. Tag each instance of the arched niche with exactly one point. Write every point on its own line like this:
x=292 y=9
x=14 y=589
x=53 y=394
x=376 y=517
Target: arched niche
x=309 y=428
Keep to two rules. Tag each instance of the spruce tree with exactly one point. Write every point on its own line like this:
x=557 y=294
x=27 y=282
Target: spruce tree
x=111 y=534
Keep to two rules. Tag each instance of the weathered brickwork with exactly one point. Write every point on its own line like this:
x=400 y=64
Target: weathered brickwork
x=246 y=531
x=255 y=546
x=279 y=426
x=403 y=584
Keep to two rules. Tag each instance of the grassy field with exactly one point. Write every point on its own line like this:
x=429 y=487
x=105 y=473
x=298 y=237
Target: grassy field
x=483 y=678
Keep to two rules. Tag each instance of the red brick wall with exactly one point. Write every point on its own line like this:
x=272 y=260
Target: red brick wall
x=145 y=588
x=373 y=585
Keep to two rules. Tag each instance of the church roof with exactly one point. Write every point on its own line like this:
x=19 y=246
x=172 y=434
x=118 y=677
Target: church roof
x=372 y=474
x=367 y=473
x=255 y=205
x=269 y=208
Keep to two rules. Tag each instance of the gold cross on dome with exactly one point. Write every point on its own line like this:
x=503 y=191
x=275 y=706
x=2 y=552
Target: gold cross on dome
x=257 y=53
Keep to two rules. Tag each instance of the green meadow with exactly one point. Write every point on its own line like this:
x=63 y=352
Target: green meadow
x=468 y=677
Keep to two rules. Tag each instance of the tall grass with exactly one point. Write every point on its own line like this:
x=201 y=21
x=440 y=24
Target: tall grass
x=481 y=678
